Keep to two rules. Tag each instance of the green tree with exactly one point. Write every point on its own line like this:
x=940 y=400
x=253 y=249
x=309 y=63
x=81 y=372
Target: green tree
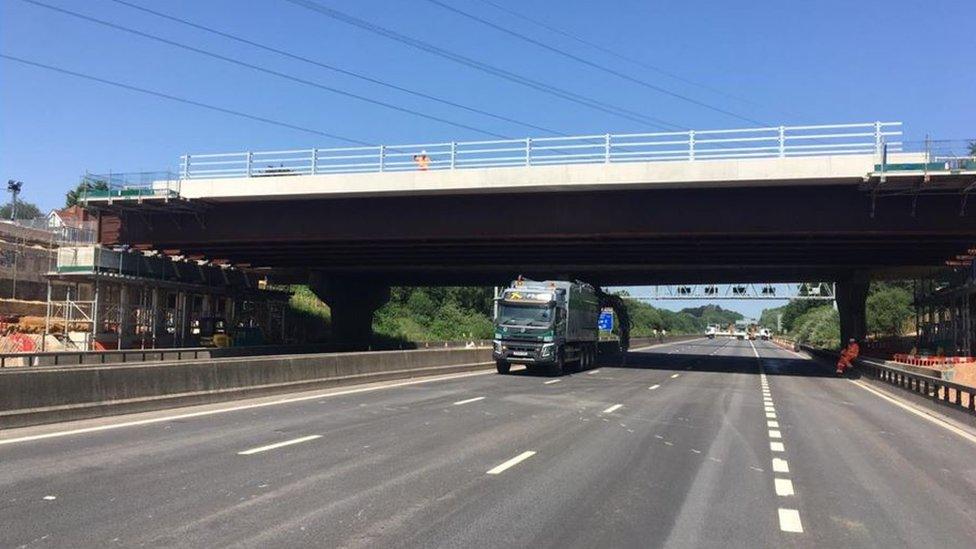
x=819 y=326
x=25 y=210
x=889 y=310
x=73 y=196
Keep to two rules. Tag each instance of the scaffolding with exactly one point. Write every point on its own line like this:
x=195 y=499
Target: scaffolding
x=126 y=299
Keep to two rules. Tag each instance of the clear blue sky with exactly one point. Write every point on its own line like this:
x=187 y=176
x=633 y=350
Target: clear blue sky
x=793 y=62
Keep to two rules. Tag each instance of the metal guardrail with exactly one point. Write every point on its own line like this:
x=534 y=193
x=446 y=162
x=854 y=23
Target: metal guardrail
x=938 y=390
x=692 y=145
x=88 y=358
x=76 y=358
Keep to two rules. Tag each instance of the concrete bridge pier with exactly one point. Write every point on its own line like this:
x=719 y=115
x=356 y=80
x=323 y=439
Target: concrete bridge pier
x=851 y=296
x=352 y=303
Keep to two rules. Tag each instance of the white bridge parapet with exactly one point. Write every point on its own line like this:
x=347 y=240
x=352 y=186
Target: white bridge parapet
x=815 y=170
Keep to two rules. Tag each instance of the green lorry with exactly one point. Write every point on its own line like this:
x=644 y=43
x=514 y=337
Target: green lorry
x=546 y=325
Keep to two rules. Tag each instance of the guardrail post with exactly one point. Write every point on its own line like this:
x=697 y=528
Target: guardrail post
x=382 y=157
x=606 y=148
x=186 y=166
x=453 y=154
x=877 y=138
x=691 y=144
x=528 y=151
x=782 y=141
x=315 y=160
x=247 y=160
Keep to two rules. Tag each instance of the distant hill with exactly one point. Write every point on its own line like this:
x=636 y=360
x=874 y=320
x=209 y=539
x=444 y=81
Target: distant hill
x=646 y=318
x=713 y=314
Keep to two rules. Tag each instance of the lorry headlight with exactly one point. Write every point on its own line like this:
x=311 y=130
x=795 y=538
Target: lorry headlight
x=497 y=345
x=547 y=349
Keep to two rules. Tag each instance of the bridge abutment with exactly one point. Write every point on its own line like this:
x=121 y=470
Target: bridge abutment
x=352 y=303
x=851 y=296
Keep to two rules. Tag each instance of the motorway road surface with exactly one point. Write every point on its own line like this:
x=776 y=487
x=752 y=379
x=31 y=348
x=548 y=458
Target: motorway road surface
x=707 y=443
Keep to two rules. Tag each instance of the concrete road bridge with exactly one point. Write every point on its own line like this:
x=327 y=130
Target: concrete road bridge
x=839 y=203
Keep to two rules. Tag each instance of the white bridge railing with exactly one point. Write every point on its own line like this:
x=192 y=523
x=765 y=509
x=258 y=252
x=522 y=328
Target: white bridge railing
x=692 y=145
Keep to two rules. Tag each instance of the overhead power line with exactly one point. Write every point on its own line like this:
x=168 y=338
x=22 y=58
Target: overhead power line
x=334 y=68
x=162 y=95
x=484 y=67
x=262 y=69
x=592 y=64
x=617 y=54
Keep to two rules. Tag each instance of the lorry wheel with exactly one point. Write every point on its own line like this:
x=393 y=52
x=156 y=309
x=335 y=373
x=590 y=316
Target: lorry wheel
x=581 y=361
x=502 y=366
x=556 y=367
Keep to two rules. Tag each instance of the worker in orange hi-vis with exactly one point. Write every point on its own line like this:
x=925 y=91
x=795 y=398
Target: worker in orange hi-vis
x=422 y=160
x=847 y=356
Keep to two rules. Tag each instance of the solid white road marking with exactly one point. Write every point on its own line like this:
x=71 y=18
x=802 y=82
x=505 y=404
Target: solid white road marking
x=510 y=463
x=777 y=447
x=775 y=434
x=238 y=408
x=772 y=424
x=260 y=449
x=674 y=375
x=789 y=521
x=475 y=399
x=652 y=387
x=918 y=412
x=784 y=487
x=780 y=466
x=551 y=381
x=613 y=408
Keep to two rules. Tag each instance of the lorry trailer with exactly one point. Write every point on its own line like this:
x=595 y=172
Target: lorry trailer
x=546 y=325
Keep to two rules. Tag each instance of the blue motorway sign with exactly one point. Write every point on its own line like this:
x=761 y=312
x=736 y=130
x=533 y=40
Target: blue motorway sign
x=606 y=321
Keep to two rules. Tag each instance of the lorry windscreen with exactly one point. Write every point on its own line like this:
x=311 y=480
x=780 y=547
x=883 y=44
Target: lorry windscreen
x=527 y=315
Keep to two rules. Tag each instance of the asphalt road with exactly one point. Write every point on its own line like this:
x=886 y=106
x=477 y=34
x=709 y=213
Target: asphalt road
x=717 y=443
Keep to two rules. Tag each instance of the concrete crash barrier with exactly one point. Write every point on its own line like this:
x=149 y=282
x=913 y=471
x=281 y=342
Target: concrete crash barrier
x=32 y=396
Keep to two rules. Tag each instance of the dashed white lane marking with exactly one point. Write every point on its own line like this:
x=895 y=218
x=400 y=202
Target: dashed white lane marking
x=469 y=400
x=780 y=466
x=770 y=409
x=652 y=387
x=674 y=375
x=789 y=521
x=772 y=424
x=784 y=487
x=777 y=447
x=771 y=415
x=918 y=412
x=50 y=498
x=613 y=408
x=591 y=372
x=276 y=445
x=237 y=408
x=775 y=434
x=510 y=463
x=551 y=381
